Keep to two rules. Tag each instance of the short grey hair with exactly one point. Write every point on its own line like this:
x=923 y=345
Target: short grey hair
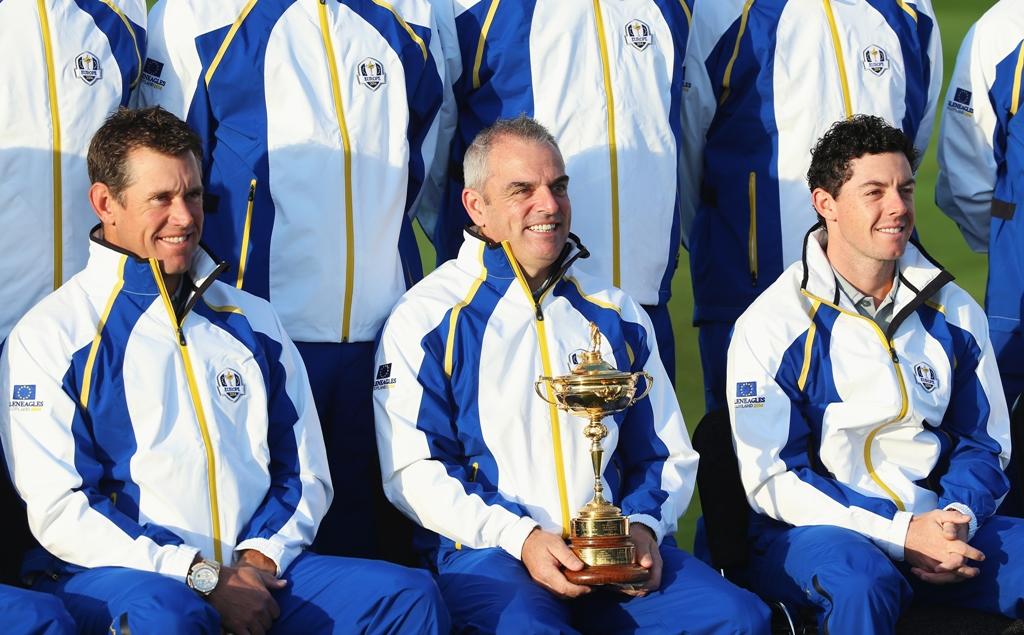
x=474 y=165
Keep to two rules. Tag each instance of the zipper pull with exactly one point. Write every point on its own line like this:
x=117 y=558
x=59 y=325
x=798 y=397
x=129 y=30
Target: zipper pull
x=252 y=186
x=892 y=353
x=181 y=336
x=753 y=278
x=540 y=314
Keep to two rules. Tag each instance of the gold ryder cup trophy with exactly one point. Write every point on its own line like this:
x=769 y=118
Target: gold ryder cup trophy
x=599 y=534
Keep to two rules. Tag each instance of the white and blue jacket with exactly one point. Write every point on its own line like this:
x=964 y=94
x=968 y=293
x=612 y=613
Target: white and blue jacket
x=138 y=439
x=469 y=451
x=981 y=154
x=606 y=78
x=66 y=66
x=320 y=125
x=765 y=80
x=838 y=423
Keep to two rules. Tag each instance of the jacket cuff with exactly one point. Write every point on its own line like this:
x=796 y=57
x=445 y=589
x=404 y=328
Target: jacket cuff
x=650 y=523
x=972 y=526
x=513 y=537
x=177 y=565
x=270 y=549
x=895 y=537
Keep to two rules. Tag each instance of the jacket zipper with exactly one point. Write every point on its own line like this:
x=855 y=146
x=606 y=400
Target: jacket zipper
x=58 y=181
x=840 y=64
x=752 y=238
x=904 y=399
x=193 y=389
x=613 y=159
x=339 y=111
x=243 y=256
x=545 y=357
x=1018 y=72
x=727 y=75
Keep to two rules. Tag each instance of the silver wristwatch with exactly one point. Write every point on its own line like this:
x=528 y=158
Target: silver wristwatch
x=203 y=576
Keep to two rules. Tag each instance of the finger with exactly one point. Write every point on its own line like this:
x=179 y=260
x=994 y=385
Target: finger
x=952 y=516
x=566 y=557
x=273 y=611
x=558 y=584
x=654 y=582
x=949 y=530
x=950 y=564
x=962 y=548
x=968 y=572
x=935 y=578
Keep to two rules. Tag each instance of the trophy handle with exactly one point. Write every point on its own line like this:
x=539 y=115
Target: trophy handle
x=536 y=388
x=647 y=389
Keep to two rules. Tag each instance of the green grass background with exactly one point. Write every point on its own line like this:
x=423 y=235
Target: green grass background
x=938 y=234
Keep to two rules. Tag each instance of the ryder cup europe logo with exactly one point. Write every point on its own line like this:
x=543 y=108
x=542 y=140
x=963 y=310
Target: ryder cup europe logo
x=229 y=384
x=370 y=73
x=876 y=60
x=925 y=376
x=87 y=68
x=638 y=35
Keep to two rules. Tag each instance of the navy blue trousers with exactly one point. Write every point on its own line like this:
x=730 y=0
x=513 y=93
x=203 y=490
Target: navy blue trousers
x=853 y=587
x=490 y=591
x=324 y=595
x=31 y=613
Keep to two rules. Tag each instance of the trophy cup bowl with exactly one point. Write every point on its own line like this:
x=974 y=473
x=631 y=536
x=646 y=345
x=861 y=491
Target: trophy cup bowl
x=599 y=534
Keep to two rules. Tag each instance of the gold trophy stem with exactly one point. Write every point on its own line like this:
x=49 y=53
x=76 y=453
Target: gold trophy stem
x=596 y=457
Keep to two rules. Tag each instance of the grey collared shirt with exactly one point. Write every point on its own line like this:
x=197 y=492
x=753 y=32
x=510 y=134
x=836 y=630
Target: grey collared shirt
x=865 y=304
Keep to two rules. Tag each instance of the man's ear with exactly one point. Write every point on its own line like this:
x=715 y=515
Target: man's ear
x=102 y=201
x=474 y=203
x=824 y=203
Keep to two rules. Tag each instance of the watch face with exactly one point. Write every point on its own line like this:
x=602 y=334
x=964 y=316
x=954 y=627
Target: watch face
x=204 y=579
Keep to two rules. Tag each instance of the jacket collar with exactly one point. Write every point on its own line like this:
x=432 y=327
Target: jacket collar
x=920 y=276
x=496 y=258
x=140 y=274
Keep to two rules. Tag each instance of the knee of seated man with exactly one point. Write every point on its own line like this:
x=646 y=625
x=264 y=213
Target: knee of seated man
x=171 y=608
x=865 y=574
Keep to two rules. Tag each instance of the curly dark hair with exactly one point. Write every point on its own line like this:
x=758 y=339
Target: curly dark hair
x=850 y=139
x=127 y=129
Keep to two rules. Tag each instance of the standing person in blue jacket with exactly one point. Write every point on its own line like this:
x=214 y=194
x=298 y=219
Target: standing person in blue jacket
x=492 y=472
x=869 y=424
x=606 y=77
x=765 y=79
x=321 y=122
x=981 y=171
x=162 y=433
x=67 y=65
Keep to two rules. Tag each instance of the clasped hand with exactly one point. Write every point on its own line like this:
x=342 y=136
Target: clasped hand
x=937 y=550
x=243 y=595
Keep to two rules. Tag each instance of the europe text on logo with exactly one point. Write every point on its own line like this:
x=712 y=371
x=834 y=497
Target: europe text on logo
x=229 y=384
x=151 y=72
x=925 y=376
x=876 y=60
x=371 y=73
x=23 y=397
x=638 y=35
x=746 y=395
x=87 y=68
x=961 y=102
x=384 y=379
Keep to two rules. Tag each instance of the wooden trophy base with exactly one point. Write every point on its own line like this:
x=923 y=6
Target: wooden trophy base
x=607 y=560
x=609 y=574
